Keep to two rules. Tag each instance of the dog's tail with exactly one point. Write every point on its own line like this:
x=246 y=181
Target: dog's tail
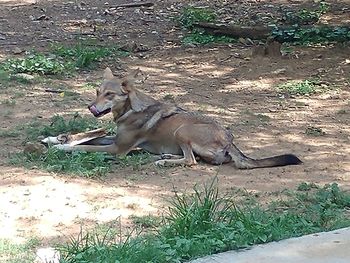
x=243 y=162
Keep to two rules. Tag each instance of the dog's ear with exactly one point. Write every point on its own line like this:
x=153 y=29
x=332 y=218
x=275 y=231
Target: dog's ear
x=139 y=102
x=127 y=85
x=108 y=74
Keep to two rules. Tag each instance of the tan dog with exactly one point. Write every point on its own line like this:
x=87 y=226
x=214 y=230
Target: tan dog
x=166 y=130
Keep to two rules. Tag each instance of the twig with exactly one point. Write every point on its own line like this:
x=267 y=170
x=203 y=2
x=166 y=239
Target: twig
x=135 y=4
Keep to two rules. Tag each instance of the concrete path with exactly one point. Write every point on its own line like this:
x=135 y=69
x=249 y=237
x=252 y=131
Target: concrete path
x=326 y=247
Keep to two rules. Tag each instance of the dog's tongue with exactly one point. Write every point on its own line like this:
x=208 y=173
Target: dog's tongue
x=94 y=110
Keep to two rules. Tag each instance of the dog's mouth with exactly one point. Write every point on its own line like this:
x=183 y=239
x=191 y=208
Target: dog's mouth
x=98 y=113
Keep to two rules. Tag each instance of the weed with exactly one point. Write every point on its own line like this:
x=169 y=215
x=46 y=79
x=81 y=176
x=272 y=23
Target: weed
x=134 y=160
x=342 y=111
x=203 y=223
x=37 y=63
x=18 y=253
x=92 y=85
x=191 y=15
x=309 y=35
x=306 y=16
x=169 y=97
x=314 y=131
x=305 y=87
x=263 y=118
x=84 y=164
x=200 y=37
x=9 y=133
x=306 y=187
x=148 y=221
x=84 y=55
x=4 y=78
x=8 y=102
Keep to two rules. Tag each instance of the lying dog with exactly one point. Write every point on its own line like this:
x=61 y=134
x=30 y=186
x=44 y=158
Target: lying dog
x=166 y=130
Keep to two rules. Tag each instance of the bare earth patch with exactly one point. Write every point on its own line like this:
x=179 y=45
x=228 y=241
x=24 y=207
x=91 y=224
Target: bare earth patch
x=222 y=81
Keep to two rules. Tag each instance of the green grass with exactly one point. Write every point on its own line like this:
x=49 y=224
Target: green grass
x=58 y=124
x=199 y=37
x=8 y=102
x=134 y=160
x=18 y=253
x=307 y=16
x=37 y=63
x=61 y=60
x=191 y=15
x=9 y=133
x=304 y=87
x=314 y=131
x=148 y=221
x=85 y=55
x=204 y=222
x=75 y=163
x=92 y=165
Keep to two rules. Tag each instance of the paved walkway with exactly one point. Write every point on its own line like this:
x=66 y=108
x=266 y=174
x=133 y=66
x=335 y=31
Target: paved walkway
x=326 y=247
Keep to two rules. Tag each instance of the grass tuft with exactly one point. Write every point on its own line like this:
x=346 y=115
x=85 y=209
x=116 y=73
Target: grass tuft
x=204 y=222
x=304 y=87
x=92 y=165
x=37 y=63
x=191 y=15
x=85 y=56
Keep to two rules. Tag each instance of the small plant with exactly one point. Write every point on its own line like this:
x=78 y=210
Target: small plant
x=306 y=16
x=18 y=253
x=199 y=37
x=314 y=131
x=134 y=160
x=305 y=87
x=191 y=15
x=8 y=102
x=9 y=133
x=84 y=164
x=309 y=35
x=148 y=221
x=37 y=63
x=205 y=222
x=84 y=55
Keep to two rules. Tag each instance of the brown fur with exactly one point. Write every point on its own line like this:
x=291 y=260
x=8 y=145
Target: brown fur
x=166 y=129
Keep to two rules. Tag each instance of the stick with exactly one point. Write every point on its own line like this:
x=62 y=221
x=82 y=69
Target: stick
x=135 y=4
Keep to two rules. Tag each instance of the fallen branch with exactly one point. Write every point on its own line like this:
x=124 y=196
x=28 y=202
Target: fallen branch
x=280 y=33
x=258 y=32
x=135 y=4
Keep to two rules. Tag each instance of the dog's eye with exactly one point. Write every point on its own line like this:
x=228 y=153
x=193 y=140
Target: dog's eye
x=108 y=94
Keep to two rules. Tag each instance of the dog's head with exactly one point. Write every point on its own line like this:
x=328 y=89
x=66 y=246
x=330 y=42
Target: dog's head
x=115 y=94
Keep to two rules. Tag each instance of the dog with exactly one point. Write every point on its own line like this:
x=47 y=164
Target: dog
x=177 y=135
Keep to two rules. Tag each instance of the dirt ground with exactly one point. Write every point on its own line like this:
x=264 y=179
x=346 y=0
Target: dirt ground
x=220 y=80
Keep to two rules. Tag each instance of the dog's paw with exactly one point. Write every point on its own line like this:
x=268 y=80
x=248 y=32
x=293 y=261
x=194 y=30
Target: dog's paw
x=160 y=162
x=64 y=147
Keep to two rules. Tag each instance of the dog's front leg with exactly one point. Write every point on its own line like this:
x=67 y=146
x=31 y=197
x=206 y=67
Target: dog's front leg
x=111 y=148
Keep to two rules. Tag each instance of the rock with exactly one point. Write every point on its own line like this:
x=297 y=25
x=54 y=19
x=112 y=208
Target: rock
x=47 y=255
x=34 y=147
x=24 y=76
x=279 y=71
x=17 y=51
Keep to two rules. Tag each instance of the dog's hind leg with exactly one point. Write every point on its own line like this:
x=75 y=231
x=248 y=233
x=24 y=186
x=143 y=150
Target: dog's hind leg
x=188 y=157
